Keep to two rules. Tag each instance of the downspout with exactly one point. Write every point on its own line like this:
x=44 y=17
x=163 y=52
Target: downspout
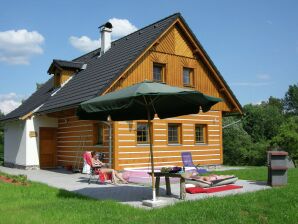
x=109 y=123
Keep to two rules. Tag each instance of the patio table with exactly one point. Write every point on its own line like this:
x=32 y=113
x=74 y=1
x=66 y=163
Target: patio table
x=167 y=176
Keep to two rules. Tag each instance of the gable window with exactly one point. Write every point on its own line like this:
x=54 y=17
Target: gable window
x=100 y=134
x=188 y=76
x=200 y=133
x=158 y=72
x=142 y=133
x=174 y=133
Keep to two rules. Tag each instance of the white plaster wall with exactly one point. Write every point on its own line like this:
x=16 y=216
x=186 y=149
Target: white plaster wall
x=15 y=142
x=32 y=143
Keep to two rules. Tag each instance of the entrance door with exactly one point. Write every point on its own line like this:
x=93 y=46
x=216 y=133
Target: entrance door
x=47 y=147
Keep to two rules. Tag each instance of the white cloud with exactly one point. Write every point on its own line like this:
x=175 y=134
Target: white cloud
x=84 y=43
x=263 y=76
x=121 y=27
x=18 y=46
x=9 y=102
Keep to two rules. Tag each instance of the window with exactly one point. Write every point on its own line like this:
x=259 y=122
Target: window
x=100 y=134
x=187 y=76
x=158 y=72
x=142 y=133
x=174 y=131
x=201 y=133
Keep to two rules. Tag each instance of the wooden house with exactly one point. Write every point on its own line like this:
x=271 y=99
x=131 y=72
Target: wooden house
x=45 y=131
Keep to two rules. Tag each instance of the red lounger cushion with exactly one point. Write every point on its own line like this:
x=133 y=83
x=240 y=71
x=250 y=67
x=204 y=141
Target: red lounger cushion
x=195 y=190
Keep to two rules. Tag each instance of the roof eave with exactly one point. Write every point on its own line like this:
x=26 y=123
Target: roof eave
x=212 y=64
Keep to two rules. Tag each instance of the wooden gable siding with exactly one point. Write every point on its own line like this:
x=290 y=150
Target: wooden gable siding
x=174 y=43
x=173 y=51
x=73 y=137
x=65 y=75
x=129 y=154
x=62 y=76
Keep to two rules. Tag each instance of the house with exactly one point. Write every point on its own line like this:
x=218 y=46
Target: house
x=45 y=131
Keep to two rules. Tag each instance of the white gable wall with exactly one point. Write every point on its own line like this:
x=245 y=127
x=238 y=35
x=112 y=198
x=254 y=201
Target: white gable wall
x=32 y=143
x=21 y=150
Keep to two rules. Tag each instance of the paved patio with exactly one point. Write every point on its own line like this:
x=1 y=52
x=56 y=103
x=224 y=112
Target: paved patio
x=131 y=194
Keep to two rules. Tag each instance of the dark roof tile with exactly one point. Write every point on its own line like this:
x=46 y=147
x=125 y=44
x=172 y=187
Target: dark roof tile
x=65 y=64
x=102 y=71
x=34 y=101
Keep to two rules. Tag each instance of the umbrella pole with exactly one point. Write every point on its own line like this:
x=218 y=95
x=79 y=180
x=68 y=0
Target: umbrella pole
x=151 y=157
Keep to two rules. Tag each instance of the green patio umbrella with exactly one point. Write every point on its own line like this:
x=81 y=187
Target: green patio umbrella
x=142 y=101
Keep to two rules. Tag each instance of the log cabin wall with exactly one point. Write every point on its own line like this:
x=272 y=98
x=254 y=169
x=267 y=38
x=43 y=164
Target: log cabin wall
x=130 y=154
x=75 y=136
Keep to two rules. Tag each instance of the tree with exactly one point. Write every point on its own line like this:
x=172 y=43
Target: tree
x=291 y=100
x=262 y=121
x=236 y=142
x=278 y=103
x=239 y=149
x=287 y=137
x=273 y=123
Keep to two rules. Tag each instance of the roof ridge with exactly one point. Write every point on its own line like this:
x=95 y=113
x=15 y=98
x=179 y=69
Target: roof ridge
x=79 y=62
x=84 y=55
x=109 y=82
x=211 y=62
x=177 y=14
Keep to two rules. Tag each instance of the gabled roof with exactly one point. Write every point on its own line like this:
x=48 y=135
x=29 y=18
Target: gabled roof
x=217 y=72
x=34 y=101
x=101 y=71
x=62 y=64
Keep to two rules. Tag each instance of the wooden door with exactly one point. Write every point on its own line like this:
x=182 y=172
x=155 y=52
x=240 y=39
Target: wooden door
x=47 y=147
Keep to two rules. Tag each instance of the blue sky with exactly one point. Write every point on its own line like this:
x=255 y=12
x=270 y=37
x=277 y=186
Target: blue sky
x=253 y=43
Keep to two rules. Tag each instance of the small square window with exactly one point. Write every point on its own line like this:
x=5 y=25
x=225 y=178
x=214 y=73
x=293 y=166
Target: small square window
x=200 y=134
x=174 y=133
x=142 y=133
x=158 y=72
x=100 y=134
x=188 y=76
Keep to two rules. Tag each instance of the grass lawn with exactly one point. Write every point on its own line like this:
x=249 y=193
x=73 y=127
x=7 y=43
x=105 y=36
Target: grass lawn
x=39 y=203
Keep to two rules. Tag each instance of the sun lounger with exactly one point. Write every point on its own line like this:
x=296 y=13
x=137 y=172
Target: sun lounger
x=188 y=162
x=213 y=183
